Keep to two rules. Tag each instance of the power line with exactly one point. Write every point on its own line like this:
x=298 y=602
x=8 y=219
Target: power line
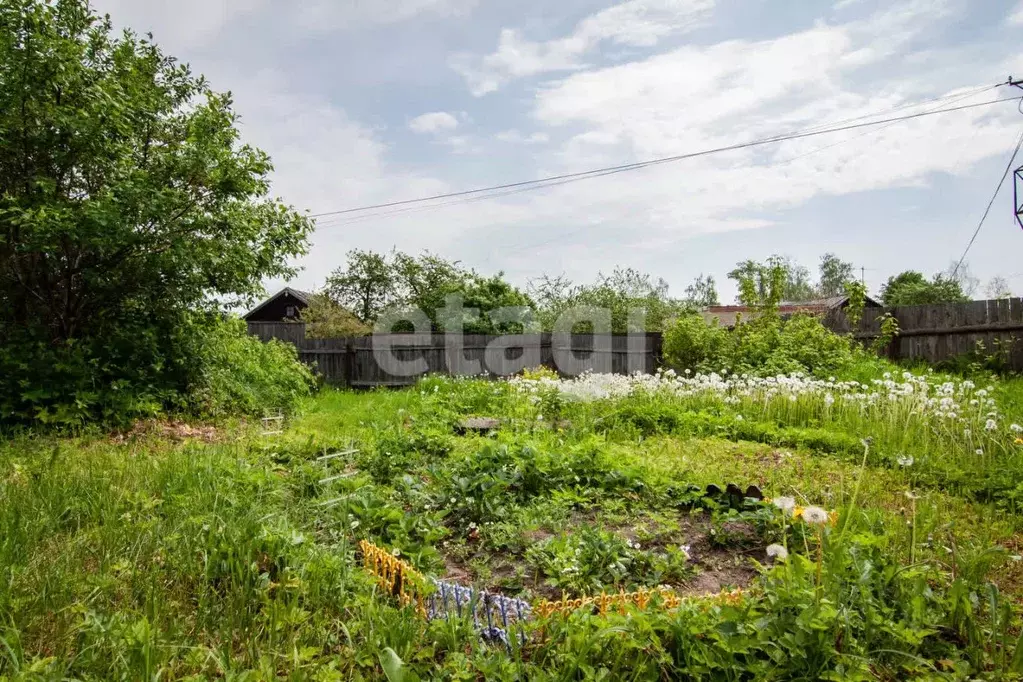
x=987 y=210
x=958 y=97
x=667 y=159
x=599 y=173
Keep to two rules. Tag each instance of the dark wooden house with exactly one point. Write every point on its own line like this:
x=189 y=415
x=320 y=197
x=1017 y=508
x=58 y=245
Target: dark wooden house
x=284 y=306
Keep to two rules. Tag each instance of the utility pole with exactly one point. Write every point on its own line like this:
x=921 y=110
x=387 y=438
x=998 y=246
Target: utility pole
x=863 y=276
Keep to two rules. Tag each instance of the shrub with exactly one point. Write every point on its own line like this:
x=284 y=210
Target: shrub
x=134 y=208
x=806 y=344
x=691 y=342
x=765 y=345
x=232 y=372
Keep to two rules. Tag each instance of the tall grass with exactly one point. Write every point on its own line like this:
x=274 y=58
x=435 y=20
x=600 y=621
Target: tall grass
x=148 y=559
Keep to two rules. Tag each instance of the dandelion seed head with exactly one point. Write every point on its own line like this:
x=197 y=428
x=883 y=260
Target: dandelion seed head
x=815 y=516
x=786 y=504
x=777 y=552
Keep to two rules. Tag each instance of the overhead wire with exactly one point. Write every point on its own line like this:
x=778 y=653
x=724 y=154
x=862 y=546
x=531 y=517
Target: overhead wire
x=955 y=97
x=599 y=172
x=562 y=181
x=958 y=97
x=987 y=210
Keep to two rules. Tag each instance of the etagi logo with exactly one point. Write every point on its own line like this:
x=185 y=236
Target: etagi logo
x=581 y=341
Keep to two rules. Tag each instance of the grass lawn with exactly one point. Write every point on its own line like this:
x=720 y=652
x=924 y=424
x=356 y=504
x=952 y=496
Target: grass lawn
x=170 y=552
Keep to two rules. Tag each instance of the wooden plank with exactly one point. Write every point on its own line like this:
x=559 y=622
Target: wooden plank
x=1015 y=315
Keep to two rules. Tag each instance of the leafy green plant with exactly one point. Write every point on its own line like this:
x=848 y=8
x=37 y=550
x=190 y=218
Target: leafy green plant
x=592 y=560
x=763 y=346
x=234 y=373
x=115 y=155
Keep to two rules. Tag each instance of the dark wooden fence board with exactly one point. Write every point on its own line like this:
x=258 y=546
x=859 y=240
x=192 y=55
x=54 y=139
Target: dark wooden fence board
x=937 y=333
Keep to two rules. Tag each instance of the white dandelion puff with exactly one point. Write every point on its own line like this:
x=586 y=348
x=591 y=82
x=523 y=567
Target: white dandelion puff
x=815 y=516
x=786 y=504
x=905 y=460
x=777 y=552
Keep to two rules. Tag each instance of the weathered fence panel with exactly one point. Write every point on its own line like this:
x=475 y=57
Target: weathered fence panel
x=285 y=331
x=399 y=359
x=940 y=332
x=929 y=333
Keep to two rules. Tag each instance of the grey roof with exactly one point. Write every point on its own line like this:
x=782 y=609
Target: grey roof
x=829 y=302
x=302 y=296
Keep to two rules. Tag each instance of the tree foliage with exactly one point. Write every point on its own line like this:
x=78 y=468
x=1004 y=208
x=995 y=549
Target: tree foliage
x=128 y=205
x=762 y=285
x=835 y=274
x=796 y=283
x=325 y=319
x=702 y=292
x=913 y=288
x=383 y=289
x=636 y=301
x=366 y=285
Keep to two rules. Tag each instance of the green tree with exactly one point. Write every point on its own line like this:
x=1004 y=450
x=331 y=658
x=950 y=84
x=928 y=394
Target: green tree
x=626 y=292
x=799 y=285
x=488 y=294
x=127 y=203
x=702 y=292
x=366 y=285
x=551 y=295
x=913 y=288
x=762 y=285
x=381 y=288
x=325 y=319
x=835 y=273
x=422 y=282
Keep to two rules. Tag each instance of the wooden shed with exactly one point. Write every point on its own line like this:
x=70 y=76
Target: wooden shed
x=284 y=306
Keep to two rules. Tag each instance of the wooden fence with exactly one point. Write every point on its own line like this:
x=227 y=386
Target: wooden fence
x=928 y=333
x=937 y=333
x=398 y=359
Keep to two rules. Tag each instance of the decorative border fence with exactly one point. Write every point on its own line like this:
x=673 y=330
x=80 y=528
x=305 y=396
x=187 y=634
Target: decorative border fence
x=494 y=615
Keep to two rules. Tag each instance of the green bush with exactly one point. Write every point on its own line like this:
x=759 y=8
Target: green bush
x=202 y=364
x=692 y=343
x=234 y=373
x=765 y=345
x=804 y=344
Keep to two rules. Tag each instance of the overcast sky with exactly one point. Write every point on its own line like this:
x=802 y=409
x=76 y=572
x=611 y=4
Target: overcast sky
x=367 y=101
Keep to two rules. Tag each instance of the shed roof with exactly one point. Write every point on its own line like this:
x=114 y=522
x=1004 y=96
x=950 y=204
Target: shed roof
x=302 y=296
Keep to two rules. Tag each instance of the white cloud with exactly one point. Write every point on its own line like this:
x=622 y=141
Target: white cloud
x=328 y=15
x=1016 y=17
x=517 y=137
x=179 y=23
x=670 y=99
x=433 y=122
x=634 y=23
x=695 y=97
